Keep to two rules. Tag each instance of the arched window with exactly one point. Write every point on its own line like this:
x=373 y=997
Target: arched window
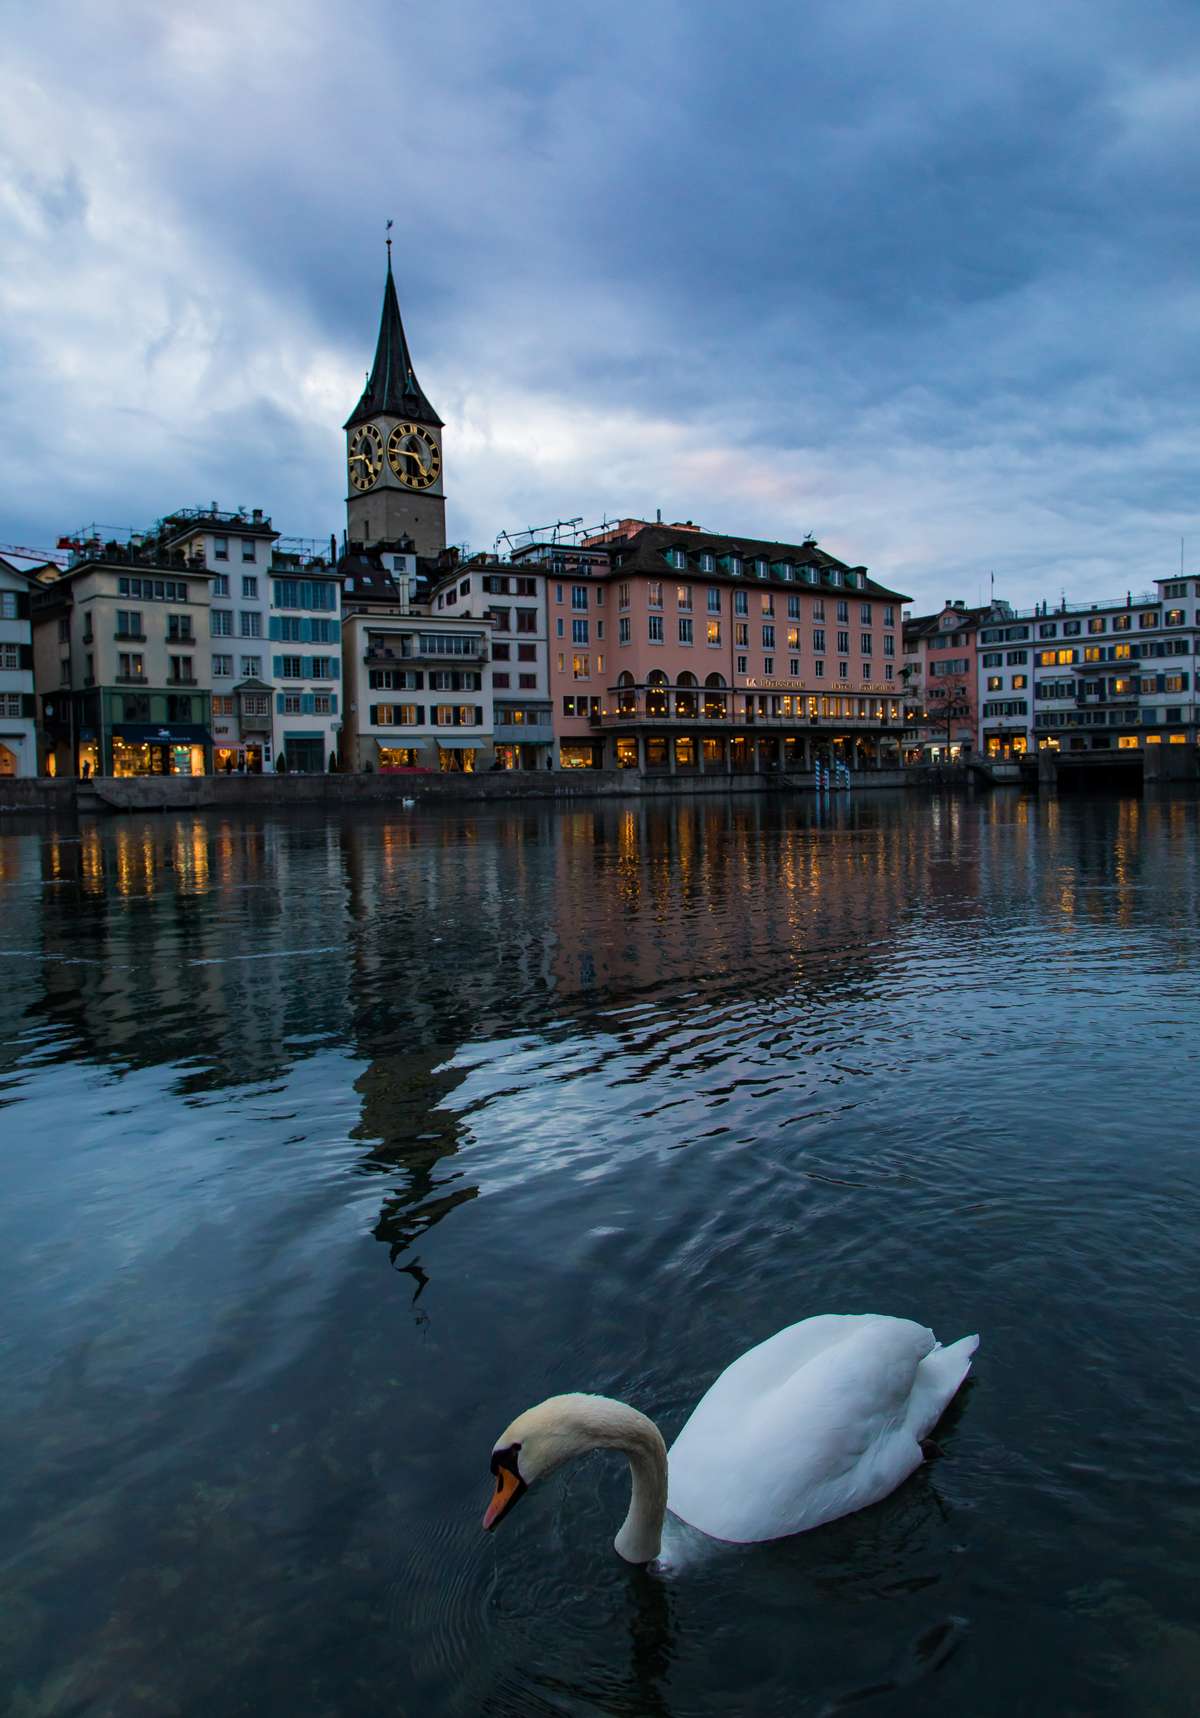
x=656 y=696
x=685 y=698
x=626 y=695
x=714 y=698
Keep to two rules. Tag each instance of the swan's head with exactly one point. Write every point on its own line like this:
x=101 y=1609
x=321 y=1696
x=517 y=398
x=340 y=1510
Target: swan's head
x=537 y=1441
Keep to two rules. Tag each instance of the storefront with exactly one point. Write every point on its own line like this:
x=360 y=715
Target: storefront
x=398 y=758
x=304 y=754
x=457 y=756
x=248 y=758
x=142 y=748
x=581 y=754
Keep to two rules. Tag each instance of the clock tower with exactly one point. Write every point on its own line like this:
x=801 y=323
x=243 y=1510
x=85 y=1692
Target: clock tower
x=394 y=447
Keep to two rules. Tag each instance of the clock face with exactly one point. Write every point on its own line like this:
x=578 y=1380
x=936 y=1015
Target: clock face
x=413 y=455
x=366 y=456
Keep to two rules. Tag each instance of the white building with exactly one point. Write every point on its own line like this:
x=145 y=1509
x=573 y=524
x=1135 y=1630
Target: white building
x=1119 y=675
x=511 y=598
x=269 y=703
x=1005 y=692
x=18 y=728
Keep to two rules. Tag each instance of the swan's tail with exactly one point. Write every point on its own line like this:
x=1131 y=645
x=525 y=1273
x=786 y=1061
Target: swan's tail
x=938 y=1377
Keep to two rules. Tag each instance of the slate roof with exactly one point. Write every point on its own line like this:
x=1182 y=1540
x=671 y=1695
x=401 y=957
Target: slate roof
x=645 y=552
x=392 y=388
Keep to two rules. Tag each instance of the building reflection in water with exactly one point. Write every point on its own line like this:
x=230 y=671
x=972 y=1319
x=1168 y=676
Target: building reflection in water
x=232 y=949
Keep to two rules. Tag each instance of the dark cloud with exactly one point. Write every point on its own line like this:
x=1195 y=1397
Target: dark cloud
x=920 y=278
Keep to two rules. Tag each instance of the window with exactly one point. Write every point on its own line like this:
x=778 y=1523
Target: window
x=654 y=629
x=793 y=607
x=1048 y=629
x=843 y=641
x=180 y=668
x=793 y=638
x=819 y=669
x=527 y=653
x=1072 y=628
x=1148 y=619
x=8 y=605
x=1120 y=622
x=1121 y=652
x=131 y=667
x=683 y=596
x=560 y=629
x=222 y=667
x=793 y=666
x=527 y=682
x=768 y=665
x=10 y=656
x=579 y=596
x=685 y=629
x=501 y=650
x=623 y=630
x=995 y=683
x=713 y=599
x=887 y=671
x=500 y=618
x=818 y=639
x=768 y=602
x=889 y=616
x=526 y=620
x=864 y=644
x=741 y=664
x=324 y=668
x=768 y=636
x=622 y=596
x=179 y=626
x=220 y=548
x=222 y=706
x=843 y=670
x=129 y=623
x=249 y=585
x=993 y=658
x=889 y=644
x=291 y=667
x=221 y=622
x=1020 y=657
x=843 y=610
x=1175 y=617
x=579 y=632
x=818 y=608
x=741 y=602
x=251 y=667
x=1020 y=681
x=654 y=593
x=322 y=704
x=501 y=681
x=251 y=623
x=581 y=667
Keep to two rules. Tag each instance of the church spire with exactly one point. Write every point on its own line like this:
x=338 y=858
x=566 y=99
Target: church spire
x=392 y=388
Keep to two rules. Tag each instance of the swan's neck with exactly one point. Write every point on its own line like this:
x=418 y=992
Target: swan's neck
x=616 y=1426
x=640 y=1538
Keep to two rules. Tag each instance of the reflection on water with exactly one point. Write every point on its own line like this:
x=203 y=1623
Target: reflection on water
x=331 y=1145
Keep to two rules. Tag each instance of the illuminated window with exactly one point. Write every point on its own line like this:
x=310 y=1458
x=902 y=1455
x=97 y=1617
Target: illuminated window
x=1047 y=658
x=1093 y=653
x=1121 y=652
x=1064 y=657
x=581 y=666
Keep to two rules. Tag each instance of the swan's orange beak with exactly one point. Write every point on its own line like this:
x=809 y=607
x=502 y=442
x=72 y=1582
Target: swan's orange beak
x=509 y=1488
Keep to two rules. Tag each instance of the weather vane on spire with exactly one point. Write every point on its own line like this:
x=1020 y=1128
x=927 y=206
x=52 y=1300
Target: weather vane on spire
x=388 y=232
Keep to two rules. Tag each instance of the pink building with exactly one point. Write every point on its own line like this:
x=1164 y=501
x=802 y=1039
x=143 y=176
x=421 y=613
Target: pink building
x=675 y=650
x=941 y=681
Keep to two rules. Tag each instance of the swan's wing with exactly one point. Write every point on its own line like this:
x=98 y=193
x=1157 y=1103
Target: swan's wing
x=938 y=1377
x=806 y=1427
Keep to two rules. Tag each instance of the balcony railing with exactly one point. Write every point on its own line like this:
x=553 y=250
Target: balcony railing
x=182 y=680
x=378 y=655
x=123 y=637
x=131 y=680
x=737 y=719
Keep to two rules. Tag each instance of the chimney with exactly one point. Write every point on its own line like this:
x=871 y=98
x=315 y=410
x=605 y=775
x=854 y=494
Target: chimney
x=256 y=516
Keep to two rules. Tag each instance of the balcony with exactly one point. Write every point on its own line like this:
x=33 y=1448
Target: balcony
x=383 y=656
x=257 y=722
x=131 y=680
x=741 y=719
x=182 y=680
x=123 y=637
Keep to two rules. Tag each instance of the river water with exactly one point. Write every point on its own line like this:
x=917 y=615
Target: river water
x=328 y=1146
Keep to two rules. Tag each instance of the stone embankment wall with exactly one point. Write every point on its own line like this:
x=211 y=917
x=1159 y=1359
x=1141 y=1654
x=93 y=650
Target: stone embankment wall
x=279 y=792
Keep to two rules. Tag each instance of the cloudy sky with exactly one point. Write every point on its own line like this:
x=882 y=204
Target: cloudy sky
x=919 y=278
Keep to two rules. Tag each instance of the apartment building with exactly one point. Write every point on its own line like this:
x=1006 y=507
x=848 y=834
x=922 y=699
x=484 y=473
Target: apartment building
x=511 y=596
x=120 y=661
x=18 y=706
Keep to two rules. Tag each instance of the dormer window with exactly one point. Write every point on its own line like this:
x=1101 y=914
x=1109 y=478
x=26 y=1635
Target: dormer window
x=677 y=559
x=762 y=568
x=708 y=561
x=810 y=575
x=785 y=570
x=834 y=575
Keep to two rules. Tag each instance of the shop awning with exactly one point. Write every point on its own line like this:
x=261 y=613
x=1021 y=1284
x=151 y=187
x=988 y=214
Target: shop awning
x=174 y=733
x=455 y=745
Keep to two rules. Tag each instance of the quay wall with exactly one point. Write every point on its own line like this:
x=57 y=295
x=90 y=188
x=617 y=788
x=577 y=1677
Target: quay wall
x=280 y=792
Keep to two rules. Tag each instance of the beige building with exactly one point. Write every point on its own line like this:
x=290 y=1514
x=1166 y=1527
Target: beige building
x=120 y=662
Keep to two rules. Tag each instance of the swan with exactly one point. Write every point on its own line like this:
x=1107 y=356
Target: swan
x=821 y=1419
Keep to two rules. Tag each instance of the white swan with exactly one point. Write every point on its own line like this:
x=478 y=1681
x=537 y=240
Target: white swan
x=823 y=1418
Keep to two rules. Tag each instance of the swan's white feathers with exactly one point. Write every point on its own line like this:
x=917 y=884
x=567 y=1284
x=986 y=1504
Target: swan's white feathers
x=821 y=1419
